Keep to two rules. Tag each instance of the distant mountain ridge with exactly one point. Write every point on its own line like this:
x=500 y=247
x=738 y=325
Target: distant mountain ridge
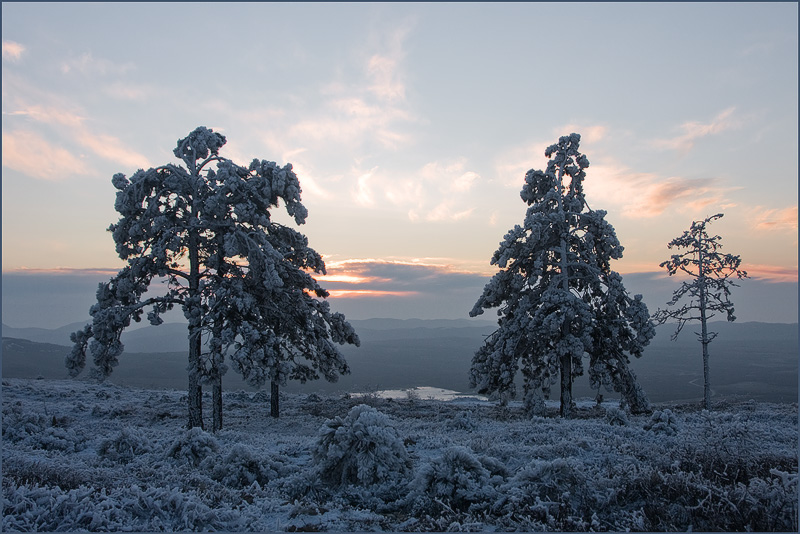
x=172 y=337
x=752 y=360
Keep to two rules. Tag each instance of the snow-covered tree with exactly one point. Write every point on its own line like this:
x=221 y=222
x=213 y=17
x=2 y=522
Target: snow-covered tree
x=708 y=290
x=235 y=272
x=557 y=297
x=288 y=332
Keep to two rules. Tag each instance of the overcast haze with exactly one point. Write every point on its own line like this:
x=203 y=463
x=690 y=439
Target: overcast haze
x=411 y=127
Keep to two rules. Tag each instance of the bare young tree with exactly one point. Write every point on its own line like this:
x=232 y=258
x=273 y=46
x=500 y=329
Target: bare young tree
x=707 y=292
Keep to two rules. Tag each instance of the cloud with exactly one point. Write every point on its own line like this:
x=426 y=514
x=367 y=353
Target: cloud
x=439 y=191
x=103 y=145
x=648 y=195
x=513 y=163
x=31 y=154
x=12 y=51
x=589 y=134
x=387 y=84
x=112 y=148
x=87 y=64
x=778 y=220
x=92 y=272
x=771 y=273
x=369 y=109
x=694 y=130
x=370 y=277
x=130 y=91
x=49 y=115
x=637 y=195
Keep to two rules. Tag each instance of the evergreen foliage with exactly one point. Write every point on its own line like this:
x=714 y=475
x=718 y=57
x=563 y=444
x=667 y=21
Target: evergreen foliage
x=557 y=297
x=243 y=280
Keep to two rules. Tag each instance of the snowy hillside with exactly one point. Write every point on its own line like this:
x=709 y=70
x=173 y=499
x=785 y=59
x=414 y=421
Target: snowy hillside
x=82 y=456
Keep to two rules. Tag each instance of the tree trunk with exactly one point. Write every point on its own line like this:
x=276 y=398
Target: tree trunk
x=704 y=329
x=274 y=400
x=195 y=339
x=217 y=404
x=566 y=359
x=566 y=386
x=195 y=389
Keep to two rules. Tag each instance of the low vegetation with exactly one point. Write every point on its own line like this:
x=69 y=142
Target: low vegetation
x=85 y=456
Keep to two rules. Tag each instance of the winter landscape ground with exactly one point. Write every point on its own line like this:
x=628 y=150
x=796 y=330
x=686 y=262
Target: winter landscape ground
x=79 y=455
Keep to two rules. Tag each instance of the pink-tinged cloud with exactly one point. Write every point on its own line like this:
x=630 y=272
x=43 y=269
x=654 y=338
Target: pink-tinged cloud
x=771 y=273
x=648 y=195
x=12 y=51
x=777 y=220
x=111 y=148
x=49 y=115
x=105 y=146
x=694 y=130
x=32 y=155
x=514 y=163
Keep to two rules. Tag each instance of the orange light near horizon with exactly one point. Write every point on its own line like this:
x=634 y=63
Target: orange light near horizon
x=349 y=278
x=369 y=293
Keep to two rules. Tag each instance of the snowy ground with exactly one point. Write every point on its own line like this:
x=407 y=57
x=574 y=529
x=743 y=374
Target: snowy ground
x=83 y=456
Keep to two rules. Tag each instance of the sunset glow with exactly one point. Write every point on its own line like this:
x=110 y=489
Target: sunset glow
x=411 y=127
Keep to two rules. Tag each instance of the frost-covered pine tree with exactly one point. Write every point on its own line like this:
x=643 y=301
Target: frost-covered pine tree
x=283 y=332
x=209 y=234
x=558 y=299
x=708 y=290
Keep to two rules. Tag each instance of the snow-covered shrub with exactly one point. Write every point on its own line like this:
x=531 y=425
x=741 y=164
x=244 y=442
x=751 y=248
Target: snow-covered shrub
x=241 y=467
x=544 y=488
x=128 y=443
x=193 y=445
x=55 y=438
x=615 y=416
x=663 y=422
x=29 y=470
x=19 y=423
x=462 y=421
x=458 y=478
x=261 y=396
x=362 y=448
x=771 y=503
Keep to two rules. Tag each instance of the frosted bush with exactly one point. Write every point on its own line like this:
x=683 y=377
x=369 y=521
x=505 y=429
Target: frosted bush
x=241 y=467
x=194 y=445
x=615 y=416
x=127 y=444
x=543 y=486
x=773 y=497
x=458 y=478
x=663 y=422
x=362 y=448
x=56 y=439
x=19 y=424
x=462 y=421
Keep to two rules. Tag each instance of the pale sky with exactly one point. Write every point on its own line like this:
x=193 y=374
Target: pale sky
x=411 y=127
